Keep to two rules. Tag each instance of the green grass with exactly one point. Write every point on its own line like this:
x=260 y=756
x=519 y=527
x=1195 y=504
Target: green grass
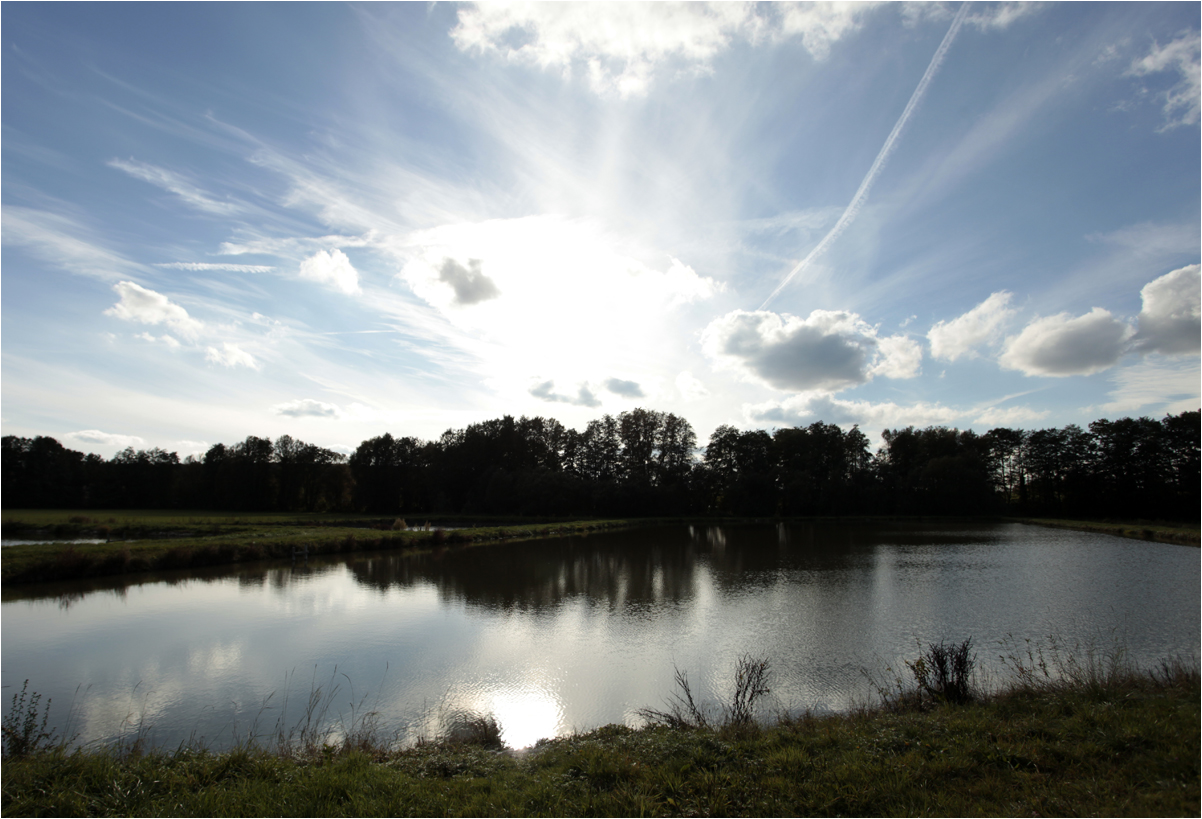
x=1127 y=745
x=184 y=542
x=1184 y=533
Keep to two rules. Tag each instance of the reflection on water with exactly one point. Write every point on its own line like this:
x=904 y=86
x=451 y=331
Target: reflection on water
x=570 y=633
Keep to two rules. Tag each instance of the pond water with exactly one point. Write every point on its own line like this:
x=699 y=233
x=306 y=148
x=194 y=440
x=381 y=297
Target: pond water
x=565 y=634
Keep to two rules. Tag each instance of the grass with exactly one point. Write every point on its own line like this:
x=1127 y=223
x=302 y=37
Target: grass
x=185 y=541
x=1182 y=532
x=1063 y=737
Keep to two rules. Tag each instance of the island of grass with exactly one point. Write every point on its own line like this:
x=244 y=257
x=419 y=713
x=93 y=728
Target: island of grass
x=146 y=541
x=1101 y=740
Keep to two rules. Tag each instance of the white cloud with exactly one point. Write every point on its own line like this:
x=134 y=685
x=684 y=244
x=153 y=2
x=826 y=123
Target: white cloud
x=148 y=307
x=186 y=448
x=170 y=341
x=621 y=47
x=230 y=355
x=1173 y=386
x=307 y=408
x=1181 y=101
x=900 y=357
x=1171 y=319
x=232 y=268
x=331 y=267
x=999 y=15
x=982 y=324
x=546 y=391
x=690 y=388
x=828 y=350
x=95 y=436
x=1060 y=345
x=801 y=410
x=1011 y=416
x=177 y=184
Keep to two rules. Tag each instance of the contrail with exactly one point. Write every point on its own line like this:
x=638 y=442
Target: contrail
x=857 y=201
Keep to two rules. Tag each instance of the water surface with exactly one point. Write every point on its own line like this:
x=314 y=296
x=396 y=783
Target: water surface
x=566 y=634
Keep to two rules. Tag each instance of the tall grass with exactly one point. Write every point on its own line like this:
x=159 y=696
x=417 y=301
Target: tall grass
x=1091 y=737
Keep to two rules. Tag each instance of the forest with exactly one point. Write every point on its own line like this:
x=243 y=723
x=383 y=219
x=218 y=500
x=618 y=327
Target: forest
x=646 y=463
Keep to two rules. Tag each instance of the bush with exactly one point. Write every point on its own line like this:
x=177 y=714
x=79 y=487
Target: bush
x=944 y=673
x=25 y=726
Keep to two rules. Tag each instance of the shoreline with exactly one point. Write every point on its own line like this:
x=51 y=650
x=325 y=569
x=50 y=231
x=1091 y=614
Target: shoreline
x=1107 y=741
x=217 y=539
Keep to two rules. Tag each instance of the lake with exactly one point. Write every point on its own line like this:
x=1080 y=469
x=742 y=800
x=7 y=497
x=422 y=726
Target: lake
x=572 y=633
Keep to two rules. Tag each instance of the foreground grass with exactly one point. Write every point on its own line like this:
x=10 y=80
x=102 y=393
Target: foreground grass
x=1126 y=745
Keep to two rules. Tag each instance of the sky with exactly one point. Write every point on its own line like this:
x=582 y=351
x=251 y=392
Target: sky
x=336 y=220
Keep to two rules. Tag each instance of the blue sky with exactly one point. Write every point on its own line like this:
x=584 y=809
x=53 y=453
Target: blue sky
x=337 y=220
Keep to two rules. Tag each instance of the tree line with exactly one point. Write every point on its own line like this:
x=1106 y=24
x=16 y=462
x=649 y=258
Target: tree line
x=646 y=463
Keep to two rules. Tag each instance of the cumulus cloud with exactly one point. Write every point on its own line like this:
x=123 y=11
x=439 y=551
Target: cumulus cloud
x=230 y=355
x=546 y=391
x=203 y=266
x=170 y=341
x=95 y=436
x=828 y=350
x=307 y=408
x=690 y=388
x=900 y=357
x=469 y=283
x=1171 y=319
x=1061 y=345
x=1181 y=56
x=333 y=268
x=801 y=410
x=177 y=184
x=148 y=307
x=961 y=336
x=626 y=389
x=621 y=47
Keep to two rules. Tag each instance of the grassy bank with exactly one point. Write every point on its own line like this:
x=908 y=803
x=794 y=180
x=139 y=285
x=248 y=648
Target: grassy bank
x=1158 y=531
x=1104 y=742
x=183 y=541
x=149 y=541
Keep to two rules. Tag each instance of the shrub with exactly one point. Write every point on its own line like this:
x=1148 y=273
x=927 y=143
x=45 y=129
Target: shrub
x=24 y=728
x=944 y=673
